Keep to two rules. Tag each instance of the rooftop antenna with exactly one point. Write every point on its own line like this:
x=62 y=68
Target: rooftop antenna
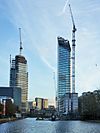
x=20 y=41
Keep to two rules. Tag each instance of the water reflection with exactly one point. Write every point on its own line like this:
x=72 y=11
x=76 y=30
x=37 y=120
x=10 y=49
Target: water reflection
x=30 y=125
x=62 y=127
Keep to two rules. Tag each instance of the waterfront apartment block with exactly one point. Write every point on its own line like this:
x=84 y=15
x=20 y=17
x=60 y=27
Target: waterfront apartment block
x=69 y=103
x=65 y=103
x=74 y=102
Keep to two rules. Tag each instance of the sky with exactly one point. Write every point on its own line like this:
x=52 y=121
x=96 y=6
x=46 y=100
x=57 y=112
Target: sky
x=42 y=21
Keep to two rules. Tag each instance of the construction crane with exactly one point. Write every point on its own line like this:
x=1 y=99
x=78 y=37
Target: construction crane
x=10 y=61
x=73 y=51
x=20 y=41
x=54 y=86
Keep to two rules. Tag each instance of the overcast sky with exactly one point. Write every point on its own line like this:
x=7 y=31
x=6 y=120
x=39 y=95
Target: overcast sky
x=41 y=22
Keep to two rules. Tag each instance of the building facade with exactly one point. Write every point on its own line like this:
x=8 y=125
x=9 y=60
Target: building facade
x=65 y=103
x=11 y=92
x=63 y=87
x=69 y=103
x=41 y=103
x=19 y=78
x=74 y=102
x=38 y=103
x=45 y=103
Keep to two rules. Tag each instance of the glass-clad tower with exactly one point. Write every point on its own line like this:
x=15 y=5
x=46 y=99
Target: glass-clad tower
x=63 y=87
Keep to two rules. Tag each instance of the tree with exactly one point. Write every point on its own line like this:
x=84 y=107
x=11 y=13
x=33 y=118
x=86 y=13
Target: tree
x=1 y=107
x=88 y=106
x=10 y=108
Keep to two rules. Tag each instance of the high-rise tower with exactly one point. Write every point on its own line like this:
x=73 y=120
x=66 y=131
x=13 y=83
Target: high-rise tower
x=19 y=76
x=64 y=87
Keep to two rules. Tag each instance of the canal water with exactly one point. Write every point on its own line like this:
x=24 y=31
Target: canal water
x=30 y=125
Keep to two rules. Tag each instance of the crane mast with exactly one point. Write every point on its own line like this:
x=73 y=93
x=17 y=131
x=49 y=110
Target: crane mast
x=73 y=51
x=54 y=86
x=20 y=41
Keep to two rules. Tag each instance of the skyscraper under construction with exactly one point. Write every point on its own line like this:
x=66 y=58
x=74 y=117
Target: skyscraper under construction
x=19 y=76
x=66 y=101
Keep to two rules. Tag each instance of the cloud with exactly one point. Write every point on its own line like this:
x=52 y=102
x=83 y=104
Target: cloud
x=21 y=14
x=40 y=27
x=48 y=64
x=64 y=8
x=86 y=8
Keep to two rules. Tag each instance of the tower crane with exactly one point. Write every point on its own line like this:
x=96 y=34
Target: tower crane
x=73 y=51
